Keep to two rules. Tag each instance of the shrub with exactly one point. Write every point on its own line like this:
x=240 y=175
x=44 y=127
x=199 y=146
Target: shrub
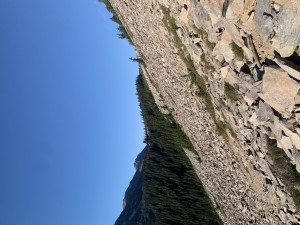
x=123 y=32
x=237 y=50
x=230 y=92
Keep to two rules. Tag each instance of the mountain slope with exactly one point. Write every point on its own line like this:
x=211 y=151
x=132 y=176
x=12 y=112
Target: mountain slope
x=166 y=190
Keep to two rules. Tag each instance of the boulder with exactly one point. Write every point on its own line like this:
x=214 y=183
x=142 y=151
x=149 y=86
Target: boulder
x=263 y=18
x=279 y=90
x=223 y=48
x=288 y=28
x=262 y=113
x=291 y=71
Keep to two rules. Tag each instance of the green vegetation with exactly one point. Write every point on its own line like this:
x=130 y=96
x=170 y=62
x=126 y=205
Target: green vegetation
x=230 y=92
x=204 y=60
x=170 y=24
x=286 y=172
x=237 y=50
x=139 y=60
x=203 y=34
x=167 y=190
x=172 y=190
x=123 y=32
x=160 y=124
x=207 y=64
x=191 y=77
x=222 y=128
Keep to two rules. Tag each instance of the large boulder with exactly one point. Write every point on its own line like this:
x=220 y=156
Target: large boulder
x=263 y=18
x=279 y=90
x=288 y=27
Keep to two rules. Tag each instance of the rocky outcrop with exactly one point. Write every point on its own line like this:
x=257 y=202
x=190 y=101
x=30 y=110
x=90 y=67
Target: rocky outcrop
x=251 y=46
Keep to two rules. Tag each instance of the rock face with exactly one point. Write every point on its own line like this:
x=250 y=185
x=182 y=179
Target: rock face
x=245 y=56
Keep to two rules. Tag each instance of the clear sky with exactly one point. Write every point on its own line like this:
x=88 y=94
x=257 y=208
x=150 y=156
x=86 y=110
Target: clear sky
x=70 y=126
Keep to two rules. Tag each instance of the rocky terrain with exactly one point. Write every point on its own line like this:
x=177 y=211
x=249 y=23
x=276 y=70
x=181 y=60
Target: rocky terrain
x=228 y=72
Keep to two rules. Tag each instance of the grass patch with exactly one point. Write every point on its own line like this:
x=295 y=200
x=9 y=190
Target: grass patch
x=286 y=172
x=212 y=68
x=230 y=92
x=237 y=50
x=192 y=77
x=170 y=24
x=204 y=60
x=207 y=64
x=222 y=128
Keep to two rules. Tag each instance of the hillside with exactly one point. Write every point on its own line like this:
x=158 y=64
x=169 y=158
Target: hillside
x=228 y=73
x=165 y=188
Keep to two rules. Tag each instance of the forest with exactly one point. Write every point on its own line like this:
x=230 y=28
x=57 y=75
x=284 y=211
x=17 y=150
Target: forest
x=166 y=191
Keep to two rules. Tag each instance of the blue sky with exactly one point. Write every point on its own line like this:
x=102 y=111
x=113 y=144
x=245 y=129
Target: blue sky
x=70 y=126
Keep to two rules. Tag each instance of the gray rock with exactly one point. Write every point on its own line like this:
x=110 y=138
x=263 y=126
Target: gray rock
x=288 y=30
x=262 y=113
x=263 y=18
